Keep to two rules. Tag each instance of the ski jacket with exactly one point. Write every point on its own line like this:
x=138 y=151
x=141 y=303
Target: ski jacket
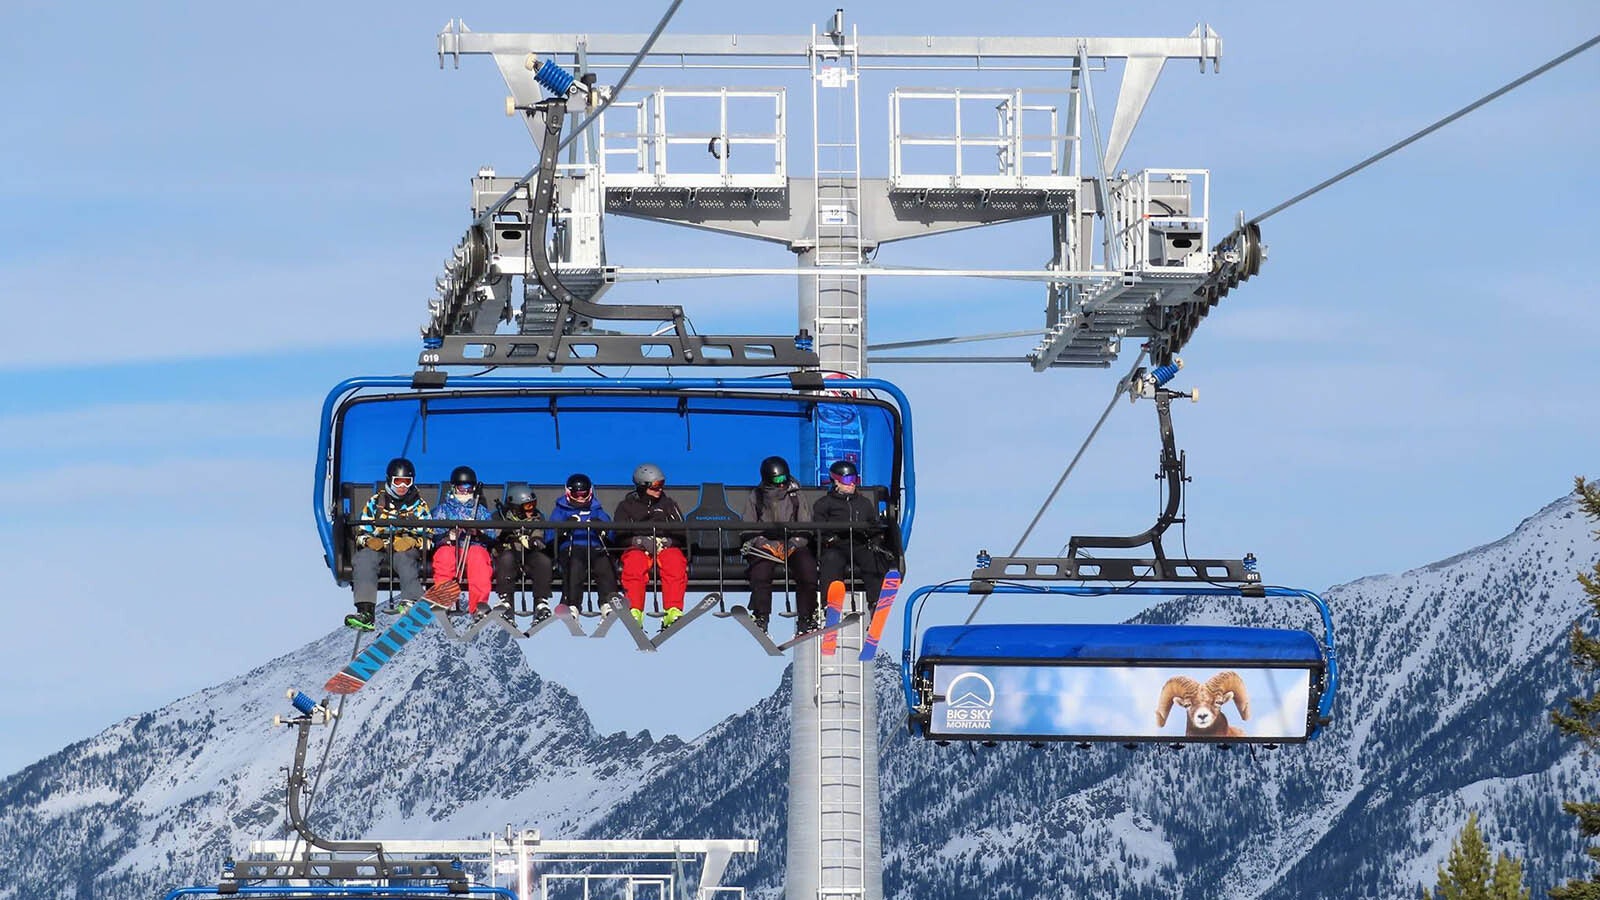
x=567 y=511
x=836 y=507
x=452 y=508
x=773 y=504
x=384 y=507
x=637 y=507
x=535 y=535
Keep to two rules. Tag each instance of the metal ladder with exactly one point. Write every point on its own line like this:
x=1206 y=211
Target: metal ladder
x=836 y=166
x=841 y=779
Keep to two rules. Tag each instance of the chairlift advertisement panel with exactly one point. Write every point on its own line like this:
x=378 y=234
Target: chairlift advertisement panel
x=1098 y=702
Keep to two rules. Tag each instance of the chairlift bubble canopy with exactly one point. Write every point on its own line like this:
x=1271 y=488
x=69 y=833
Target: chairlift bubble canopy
x=1124 y=682
x=539 y=430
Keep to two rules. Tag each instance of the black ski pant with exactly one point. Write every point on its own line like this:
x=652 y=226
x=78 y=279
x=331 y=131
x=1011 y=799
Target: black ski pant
x=802 y=568
x=578 y=565
x=844 y=559
x=530 y=566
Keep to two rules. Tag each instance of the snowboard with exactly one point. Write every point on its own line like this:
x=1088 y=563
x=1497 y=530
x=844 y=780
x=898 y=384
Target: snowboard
x=383 y=648
x=880 y=616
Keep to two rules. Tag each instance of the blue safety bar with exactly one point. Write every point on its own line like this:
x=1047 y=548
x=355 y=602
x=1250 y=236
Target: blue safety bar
x=289 y=890
x=1330 y=653
x=342 y=391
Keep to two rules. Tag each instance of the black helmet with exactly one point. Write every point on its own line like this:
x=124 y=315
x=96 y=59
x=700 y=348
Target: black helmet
x=580 y=483
x=774 y=470
x=648 y=474
x=399 y=476
x=519 y=495
x=463 y=476
x=844 y=472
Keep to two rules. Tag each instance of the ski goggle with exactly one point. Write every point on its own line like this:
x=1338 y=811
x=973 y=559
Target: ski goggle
x=464 y=488
x=780 y=478
x=578 y=493
x=529 y=507
x=847 y=479
x=655 y=485
x=401 y=482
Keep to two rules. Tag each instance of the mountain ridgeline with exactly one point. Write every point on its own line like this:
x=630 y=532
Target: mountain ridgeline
x=1449 y=672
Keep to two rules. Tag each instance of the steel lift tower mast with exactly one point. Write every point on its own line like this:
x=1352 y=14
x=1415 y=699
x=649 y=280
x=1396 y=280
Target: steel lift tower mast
x=1129 y=255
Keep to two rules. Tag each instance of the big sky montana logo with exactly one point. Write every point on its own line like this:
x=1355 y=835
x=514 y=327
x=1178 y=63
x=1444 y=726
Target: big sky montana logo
x=970 y=703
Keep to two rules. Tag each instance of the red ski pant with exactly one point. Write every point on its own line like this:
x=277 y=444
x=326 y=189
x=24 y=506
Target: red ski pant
x=480 y=572
x=674 y=566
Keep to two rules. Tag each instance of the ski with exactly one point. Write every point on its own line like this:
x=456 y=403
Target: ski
x=617 y=610
x=706 y=604
x=880 y=615
x=561 y=613
x=742 y=616
x=569 y=618
x=826 y=632
x=383 y=648
x=830 y=639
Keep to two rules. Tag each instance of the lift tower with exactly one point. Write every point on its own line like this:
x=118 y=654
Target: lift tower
x=1128 y=255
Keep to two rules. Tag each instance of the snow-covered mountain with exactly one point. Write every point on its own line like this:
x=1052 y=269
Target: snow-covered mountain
x=1449 y=673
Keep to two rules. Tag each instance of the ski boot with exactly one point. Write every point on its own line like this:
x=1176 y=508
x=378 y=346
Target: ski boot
x=541 y=610
x=807 y=624
x=362 y=619
x=671 y=618
x=761 y=620
x=638 y=615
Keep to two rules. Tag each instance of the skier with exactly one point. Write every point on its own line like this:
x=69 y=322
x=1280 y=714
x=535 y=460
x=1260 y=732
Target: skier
x=859 y=551
x=581 y=553
x=464 y=549
x=777 y=500
x=520 y=553
x=375 y=543
x=659 y=549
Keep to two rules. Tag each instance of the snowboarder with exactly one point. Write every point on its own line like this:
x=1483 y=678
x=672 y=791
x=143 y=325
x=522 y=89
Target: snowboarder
x=659 y=549
x=520 y=552
x=464 y=549
x=859 y=551
x=581 y=553
x=777 y=500
x=401 y=547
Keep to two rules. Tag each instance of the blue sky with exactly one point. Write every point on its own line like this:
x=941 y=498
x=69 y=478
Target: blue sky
x=209 y=214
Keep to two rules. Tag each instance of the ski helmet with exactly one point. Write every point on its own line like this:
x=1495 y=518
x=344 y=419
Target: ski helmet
x=521 y=497
x=774 y=470
x=648 y=475
x=463 y=479
x=844 y=472
x=399 y=476
x=579 y=483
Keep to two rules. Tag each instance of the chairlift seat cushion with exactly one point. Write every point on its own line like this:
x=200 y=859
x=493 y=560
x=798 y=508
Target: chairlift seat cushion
x=1131 y=644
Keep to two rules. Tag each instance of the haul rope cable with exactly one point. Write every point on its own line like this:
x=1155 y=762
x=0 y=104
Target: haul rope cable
x=1393 y=148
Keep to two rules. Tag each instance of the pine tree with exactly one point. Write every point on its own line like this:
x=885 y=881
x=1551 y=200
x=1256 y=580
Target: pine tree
x=1582 y=718
x=1468 y=874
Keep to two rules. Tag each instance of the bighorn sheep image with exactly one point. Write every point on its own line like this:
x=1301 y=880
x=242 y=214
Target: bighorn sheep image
x=1204 y=703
